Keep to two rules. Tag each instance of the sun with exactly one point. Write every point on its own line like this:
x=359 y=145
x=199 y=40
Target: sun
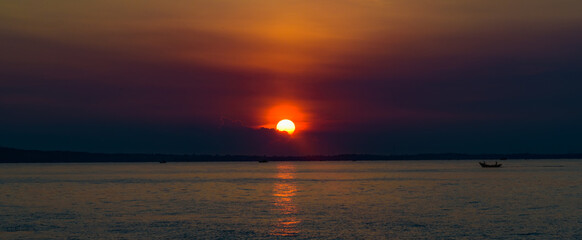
x=286 y=125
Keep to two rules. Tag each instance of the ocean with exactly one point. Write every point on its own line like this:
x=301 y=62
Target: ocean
x=525 y=199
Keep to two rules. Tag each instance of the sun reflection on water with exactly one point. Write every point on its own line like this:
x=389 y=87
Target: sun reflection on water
x=283 y=204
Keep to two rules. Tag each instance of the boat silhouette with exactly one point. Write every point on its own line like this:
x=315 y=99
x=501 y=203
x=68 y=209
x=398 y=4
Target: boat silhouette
x=485 y=165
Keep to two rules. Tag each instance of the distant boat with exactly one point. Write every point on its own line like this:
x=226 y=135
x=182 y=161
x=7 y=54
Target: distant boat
x=162 y=161
x=263 y=161
x=485 y=165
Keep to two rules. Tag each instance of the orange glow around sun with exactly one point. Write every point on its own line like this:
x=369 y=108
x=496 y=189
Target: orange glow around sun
x=274 y=115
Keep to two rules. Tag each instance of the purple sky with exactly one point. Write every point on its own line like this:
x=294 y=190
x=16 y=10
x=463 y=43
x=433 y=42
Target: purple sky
x=385 y=77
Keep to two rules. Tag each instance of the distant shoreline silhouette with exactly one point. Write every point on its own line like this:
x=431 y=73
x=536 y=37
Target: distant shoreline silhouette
x=13 y=155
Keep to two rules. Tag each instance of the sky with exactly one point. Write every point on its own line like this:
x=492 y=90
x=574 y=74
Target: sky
x=355 y=76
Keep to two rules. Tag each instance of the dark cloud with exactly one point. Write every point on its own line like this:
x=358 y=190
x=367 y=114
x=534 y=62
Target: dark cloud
x=231 y=137
x=234 y=137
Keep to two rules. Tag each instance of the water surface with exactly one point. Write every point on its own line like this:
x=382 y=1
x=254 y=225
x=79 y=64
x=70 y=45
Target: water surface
x=535 y=199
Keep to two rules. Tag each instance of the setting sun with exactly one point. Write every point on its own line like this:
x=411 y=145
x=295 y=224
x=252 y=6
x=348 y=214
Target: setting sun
x=286 y=125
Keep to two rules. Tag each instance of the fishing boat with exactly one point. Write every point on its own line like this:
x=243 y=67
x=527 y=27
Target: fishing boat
x=485 y=165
